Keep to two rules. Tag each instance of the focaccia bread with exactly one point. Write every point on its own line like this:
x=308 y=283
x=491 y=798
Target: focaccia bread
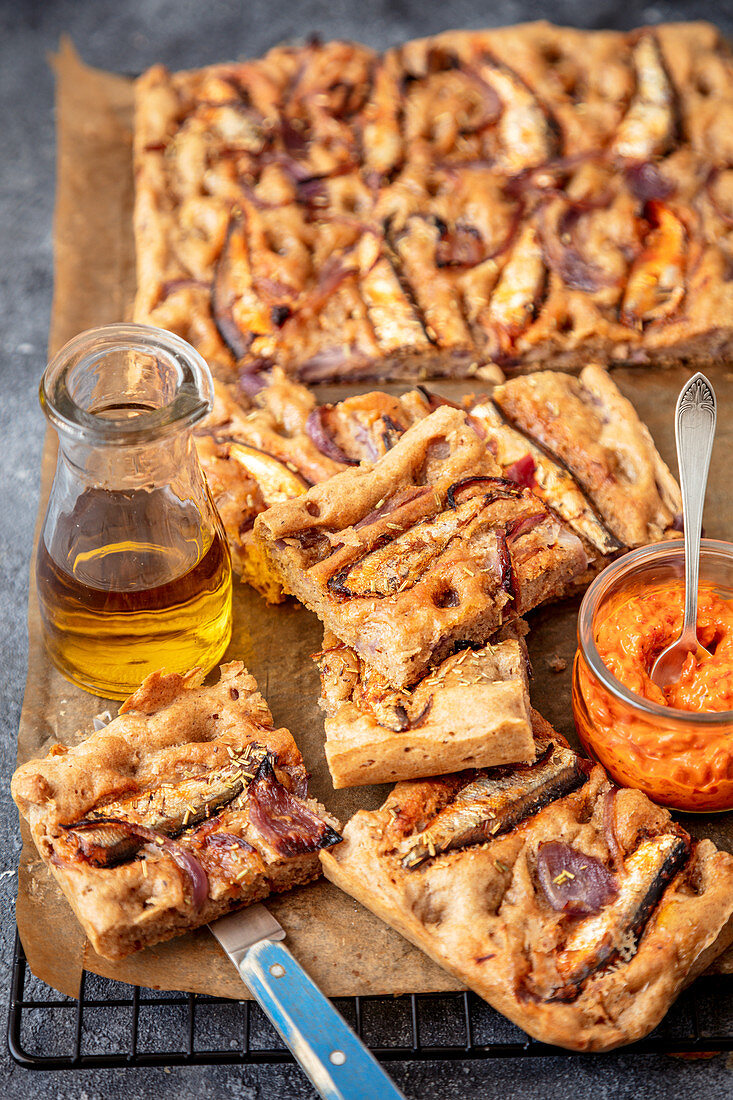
x=595 y=432
x=472 y=710
x=622 y=496
x=256 y=449
x=529 y=196
x=579 y=444
x=578 y=909
x=187 y=805
x=426 y=548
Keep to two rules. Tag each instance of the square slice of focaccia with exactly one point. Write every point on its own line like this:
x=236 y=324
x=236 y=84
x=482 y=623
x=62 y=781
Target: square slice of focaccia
x=595 y=432
x=186 y=806
x=428 y=547
x=577 y=443
x=472 y=710
x=528 y=196
x=577 y=909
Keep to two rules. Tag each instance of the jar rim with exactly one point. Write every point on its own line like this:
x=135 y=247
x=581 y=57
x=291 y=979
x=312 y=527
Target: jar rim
x=609 y=580
x=191 y=397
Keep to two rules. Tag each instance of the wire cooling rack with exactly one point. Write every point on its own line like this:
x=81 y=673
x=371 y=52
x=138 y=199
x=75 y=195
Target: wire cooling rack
x=116 y=1025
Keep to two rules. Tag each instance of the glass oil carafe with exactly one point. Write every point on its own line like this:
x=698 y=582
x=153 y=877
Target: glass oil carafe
x=133 y=570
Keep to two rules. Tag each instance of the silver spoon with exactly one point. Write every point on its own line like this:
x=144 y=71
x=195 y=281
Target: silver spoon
x=695 y=418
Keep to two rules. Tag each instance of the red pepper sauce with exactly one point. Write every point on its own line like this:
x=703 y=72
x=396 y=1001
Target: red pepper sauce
x=631 y=633
x=676 y=761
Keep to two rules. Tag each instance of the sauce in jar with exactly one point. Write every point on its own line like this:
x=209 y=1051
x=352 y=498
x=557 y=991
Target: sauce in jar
x=676 y=745
x=631 y=632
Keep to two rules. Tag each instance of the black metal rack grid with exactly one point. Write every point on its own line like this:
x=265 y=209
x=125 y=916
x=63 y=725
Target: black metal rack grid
x=109 y=1026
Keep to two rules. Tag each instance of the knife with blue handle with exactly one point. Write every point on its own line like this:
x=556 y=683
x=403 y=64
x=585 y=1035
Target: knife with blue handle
x=336 y=1062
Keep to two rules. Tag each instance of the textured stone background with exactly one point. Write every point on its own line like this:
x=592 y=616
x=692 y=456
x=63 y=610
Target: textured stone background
x=127 y=36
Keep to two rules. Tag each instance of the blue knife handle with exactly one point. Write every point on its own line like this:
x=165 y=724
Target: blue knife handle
x=330 y=1054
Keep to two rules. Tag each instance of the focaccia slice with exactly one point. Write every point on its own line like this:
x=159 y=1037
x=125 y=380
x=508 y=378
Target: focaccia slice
x=186 y=806
x=472 y=710
x=428 y=547
x=255 y=449
x=577 y=909
x=594 y=462
x=596 y=433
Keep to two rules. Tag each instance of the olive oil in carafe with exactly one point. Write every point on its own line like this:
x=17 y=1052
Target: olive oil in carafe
x=131 y=584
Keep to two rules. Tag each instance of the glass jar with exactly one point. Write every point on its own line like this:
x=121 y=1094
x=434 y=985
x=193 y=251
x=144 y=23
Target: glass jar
x=680 y=758
x=133 y=570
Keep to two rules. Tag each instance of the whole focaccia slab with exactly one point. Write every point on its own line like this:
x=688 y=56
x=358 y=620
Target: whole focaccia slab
x=530 y=195
x=577 y=909
x=186 y=806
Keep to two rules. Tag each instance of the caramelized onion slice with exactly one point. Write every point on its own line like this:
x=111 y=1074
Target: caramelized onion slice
x=507 y=576
x=522 y=525
x=522 y=472
x=563 y=249
x=647 y=182
x=496 y=488
x=250 y=382
x=317 y=428
x=573 y=882
x=288 y=825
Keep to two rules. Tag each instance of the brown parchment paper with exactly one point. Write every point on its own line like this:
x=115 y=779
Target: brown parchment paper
x=344 y=947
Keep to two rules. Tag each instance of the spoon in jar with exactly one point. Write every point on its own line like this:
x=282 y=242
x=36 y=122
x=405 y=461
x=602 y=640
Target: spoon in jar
x=694 y=425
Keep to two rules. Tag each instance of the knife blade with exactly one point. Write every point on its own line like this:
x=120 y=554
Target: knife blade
x=334 y=1059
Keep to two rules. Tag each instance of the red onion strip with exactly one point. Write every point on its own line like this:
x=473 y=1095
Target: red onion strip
x=498 y=488
x=317 y=428
x=522 y=472
x=646 y=182
x=523 y=525
x=573 y=882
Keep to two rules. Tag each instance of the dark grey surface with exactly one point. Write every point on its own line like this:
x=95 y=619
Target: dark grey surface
x=127 y=36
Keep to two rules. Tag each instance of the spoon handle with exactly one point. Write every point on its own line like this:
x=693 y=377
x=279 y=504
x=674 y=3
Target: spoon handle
x=695 y=418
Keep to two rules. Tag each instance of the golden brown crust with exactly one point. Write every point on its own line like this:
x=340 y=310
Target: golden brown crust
x=588 y=424
x=480 y=913
x=472 y=710
x=400 y=568
x=527 y=195
x=171 y=732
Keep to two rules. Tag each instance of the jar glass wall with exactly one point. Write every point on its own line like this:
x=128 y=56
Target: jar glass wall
x=683 y=759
